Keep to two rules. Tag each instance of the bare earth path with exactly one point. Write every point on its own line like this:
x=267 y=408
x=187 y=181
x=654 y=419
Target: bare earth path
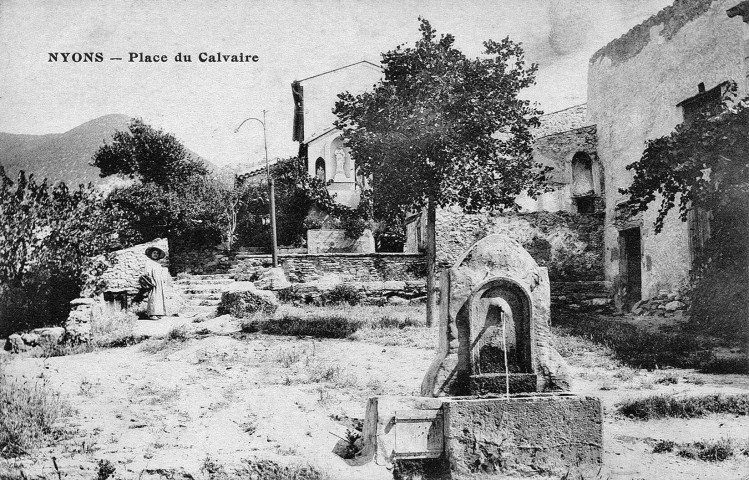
x=160 y=410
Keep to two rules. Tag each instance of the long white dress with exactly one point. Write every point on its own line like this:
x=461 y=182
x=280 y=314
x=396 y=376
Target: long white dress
x=157 y=297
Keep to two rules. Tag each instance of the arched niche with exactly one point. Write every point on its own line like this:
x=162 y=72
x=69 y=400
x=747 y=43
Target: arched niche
x=583 y=184
x=320 y=172
x=341 y=161
x=498 y=302
x=584 y=188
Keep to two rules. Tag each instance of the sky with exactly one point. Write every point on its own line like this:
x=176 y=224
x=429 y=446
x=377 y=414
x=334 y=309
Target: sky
x=202 y=103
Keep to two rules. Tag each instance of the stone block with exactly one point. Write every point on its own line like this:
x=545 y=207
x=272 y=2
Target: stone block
x=273 y=279
x=394 y=285
x=396 y=300
x=673 y=306
x=528 y=435
x=82 y=301
x=380 y=427
x=31 y=339
x=50 y=335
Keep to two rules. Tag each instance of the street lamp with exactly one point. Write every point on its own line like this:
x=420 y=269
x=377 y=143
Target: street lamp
x=271 y=190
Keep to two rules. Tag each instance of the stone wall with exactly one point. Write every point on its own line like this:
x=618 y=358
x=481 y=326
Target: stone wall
x=120 y=271
x=635 y=84
x=570 y=118
x=359 y=267
x=198 y=259
x=336 y=241
x=569 y=245
x=557 y=150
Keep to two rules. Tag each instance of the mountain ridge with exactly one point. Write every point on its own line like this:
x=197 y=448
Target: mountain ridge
x=64 y=156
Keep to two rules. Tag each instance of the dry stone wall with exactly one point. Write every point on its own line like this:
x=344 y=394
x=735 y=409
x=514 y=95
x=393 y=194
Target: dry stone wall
x=120 y=271
x=569 y=245
x=370 y=267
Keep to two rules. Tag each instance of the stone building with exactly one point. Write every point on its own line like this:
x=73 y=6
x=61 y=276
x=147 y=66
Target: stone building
x=561 y=229
x=320 y=143
x=640 y=86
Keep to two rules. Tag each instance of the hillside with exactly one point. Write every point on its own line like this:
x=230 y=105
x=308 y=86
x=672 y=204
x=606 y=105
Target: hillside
x=62 y=156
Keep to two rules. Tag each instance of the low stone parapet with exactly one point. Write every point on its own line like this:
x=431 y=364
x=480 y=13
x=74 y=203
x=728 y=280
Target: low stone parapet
x=583 y=295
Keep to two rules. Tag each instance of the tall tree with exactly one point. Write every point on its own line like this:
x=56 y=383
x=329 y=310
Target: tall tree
x=443 y=129
x=173 y=194
x=148 y=154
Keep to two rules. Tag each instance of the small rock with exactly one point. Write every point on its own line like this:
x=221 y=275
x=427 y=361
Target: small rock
x=82 y=301
x=30 y=339
x=394 y=285
x=673 y=306
x=396 y=300
x=273 y=279
x=49 y=336
x=15 y=344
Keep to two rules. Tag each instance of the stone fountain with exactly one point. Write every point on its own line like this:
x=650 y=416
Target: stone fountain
x=496 y=400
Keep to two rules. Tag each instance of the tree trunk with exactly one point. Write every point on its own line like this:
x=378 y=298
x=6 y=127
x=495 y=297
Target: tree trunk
x=431 y=260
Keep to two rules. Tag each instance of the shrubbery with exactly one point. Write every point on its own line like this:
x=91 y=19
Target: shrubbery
x=318 y=326
x=247 y=303
x=341 y=294
x=48 y=234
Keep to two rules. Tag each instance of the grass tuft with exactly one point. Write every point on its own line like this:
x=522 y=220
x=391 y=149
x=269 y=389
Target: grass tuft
x=706 y=450
x=671 y=406
x=30 y=416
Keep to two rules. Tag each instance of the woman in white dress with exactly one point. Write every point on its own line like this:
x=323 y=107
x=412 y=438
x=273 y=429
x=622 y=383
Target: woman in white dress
x=155 y=278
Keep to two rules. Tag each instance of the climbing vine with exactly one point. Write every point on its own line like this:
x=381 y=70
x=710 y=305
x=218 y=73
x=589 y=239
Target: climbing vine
x=704 y=164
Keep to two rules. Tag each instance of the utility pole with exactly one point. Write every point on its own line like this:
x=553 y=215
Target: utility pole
x=271 y=190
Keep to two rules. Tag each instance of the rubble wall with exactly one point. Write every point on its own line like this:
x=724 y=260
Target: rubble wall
x=120 y=271
x=360 y=267
x=569 y=245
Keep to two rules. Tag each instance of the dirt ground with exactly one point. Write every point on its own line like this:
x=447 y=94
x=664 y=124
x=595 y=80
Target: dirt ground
x=166 y=409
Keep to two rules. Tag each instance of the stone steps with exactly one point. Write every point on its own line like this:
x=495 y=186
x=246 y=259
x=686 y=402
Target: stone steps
x=204 y=290
x=214 y=281
x=199 y=289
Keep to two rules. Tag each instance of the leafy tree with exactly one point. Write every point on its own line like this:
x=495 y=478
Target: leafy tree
x=149 y=155
x=704 y=164
x=47 y=235
x=443 y=129
x=173 y=196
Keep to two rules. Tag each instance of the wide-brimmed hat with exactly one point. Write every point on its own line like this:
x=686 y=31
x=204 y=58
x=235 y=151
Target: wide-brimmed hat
x=150 y=250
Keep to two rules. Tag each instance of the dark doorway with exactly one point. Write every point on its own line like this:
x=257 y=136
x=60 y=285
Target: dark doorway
x=630 y=267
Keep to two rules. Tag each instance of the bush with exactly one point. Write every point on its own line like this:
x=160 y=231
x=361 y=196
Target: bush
x=312 y=325
x=341 y=294
x=290 y=295
x=246 y=303
x=177 y=334
x=49 y=234
x=668 y=405
x=112 y=329
x=635 y=346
